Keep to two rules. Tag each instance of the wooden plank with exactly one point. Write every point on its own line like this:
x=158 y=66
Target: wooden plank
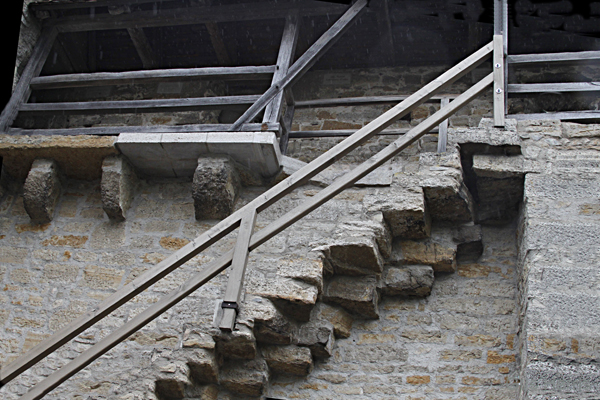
x=194 y=15
x=554 y=87
x=443 y=130
x=564 y=115
x=22 y=90
x=286 y=127
x=158 y=75
x=553 y=57
x=498 y=65
x=346 y=133
x=226 y=226
x=218 y=44
x=307 y=60
x=287 y=49
x=127 y=106
x=215 y=267
x=364 y=101
x=143 y=48
x=238 y=269
x=115 y=130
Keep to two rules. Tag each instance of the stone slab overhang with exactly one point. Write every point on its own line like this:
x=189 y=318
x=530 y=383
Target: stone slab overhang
x=176 y=154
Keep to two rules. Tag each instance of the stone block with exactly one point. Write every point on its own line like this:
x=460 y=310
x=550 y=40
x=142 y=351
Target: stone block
x=448 y=200
x=469 y=242
x=403 y=209
x=239 y=344
x=117 y=186
x=288 y=360
x=294 y=298
x=438 y=256
x=355 y=255
x=203 y=366
x=172 y=377
x=270 y=325
x=340 y=319
x=41 y=190
x=215 y=188
x=247 y=378
x=411 y=280
x=318 y=336
x=357 y=295
x=498 y=166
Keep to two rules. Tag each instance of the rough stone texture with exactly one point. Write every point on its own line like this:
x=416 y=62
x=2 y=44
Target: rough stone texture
x=117 y=186
x=340 y=319
x=441 y=258
x=469 y=242
x=215 y=188
x=412 y=280
x=358 y=296
x=357 y=255
x=248 y=378
x=288 y=360
x=270 y=325
x=318 y=336
x=41 y=190
x=238 y=344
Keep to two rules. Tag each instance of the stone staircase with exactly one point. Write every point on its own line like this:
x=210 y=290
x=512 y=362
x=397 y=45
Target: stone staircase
x=294 y=311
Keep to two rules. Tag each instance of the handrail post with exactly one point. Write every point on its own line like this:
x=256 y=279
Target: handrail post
x=238 y=268
x=443 y=129
x=500 y=76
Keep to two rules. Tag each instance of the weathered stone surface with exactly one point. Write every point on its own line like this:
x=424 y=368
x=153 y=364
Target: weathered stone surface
x=318 y=336
x=498 y=166
x=294 y=298
x=215 y=188
x=172 y=376
x=498 y=199
x=203 y=366
x=441 y=258
x=411 y=280
x=288 y=360
x=117 y=186
x=340 y=319
x=246 y=378
x=469 y=242
x=240 y=343
x=357 y=295
x=270 y=325
x=356 y=255
x=41 y=190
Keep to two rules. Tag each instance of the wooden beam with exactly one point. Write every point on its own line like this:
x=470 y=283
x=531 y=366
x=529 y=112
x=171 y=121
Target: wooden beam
x=22 y=90
x=143 y=48
x=564 y=115
x=307 y=60
x=238 y=269
x=287 y=49
x=364 y=101
x=382 y=13
x=218 y=44
x=127 y=106
x=554 y=87
x=158 y=75
x=553 y=57
x=347 y=132
x=215 y=267
x=498 y=64
x=226 y=226
x=443 y=130
x=194 y=15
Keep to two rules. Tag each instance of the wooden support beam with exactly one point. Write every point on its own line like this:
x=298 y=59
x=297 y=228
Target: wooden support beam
x=382 y=13
x=158 y=75
x=364 y=101
x=195 y=15
x=553 y=57
x=215 y=267
x=22 y=90
x=287 y=49
x=307 y=60
x=115 y=130
x=127 y=106
x=238 y=269
x=226 y=226
x=499 y=87
x=218 y=44
x=443 y=130
x=347 y=132
x=554 y=87
x=286 y=126
x=143 y=48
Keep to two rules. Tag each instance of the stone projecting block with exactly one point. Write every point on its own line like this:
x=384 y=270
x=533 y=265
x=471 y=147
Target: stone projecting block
x=41 y=190
x=215 y=187
x=203 y=365
x=357 y=295
x=117 y=186
x=239 y=344
x=270 y=325
x=340 y=319
x=246 y=378
x=288 y=360
x=358 y=255
x=318 y=336
x=411 y=280
x=440 y=257
x=469 y=239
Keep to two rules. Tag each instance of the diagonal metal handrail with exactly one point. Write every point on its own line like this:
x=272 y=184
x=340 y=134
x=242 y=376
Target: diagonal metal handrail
x=229 y=224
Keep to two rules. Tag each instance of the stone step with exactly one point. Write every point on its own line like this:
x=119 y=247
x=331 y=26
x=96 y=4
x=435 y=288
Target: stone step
x=410 y=280
x=247 y=378
x=270 y=325
x=359 y=296
x=441 y=257
x=288 y=360
x=318 y=336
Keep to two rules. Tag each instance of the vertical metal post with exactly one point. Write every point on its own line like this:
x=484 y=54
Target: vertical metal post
x=443 y=129
x=500 y=9
x=238 y=268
